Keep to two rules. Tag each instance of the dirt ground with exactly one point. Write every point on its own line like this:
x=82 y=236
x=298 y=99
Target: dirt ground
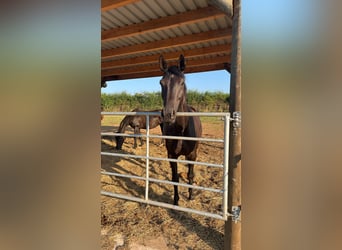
x=131 y=225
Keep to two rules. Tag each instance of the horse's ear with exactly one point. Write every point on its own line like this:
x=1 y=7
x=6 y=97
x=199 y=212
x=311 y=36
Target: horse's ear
x=181 y=63
x=162 y=64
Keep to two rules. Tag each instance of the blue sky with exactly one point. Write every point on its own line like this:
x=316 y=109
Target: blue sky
x=207 y=81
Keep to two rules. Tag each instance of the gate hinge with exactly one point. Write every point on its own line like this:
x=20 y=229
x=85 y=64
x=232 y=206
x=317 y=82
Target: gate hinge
x=236 y=121
x=235 y=213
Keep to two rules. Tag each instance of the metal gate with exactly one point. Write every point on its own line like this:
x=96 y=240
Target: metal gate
x=223 y=214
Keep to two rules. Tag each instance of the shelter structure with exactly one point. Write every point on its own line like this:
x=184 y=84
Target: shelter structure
x=134 y=33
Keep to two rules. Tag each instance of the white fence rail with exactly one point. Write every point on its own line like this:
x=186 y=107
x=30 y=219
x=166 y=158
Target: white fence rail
x=223 y=214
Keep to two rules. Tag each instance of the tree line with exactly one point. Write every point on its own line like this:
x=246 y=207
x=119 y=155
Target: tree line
x=202 y=101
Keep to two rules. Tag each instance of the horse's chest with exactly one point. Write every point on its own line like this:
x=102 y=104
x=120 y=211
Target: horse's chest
x=179 y=146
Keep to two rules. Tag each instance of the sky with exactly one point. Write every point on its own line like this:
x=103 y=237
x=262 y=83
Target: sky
x=207 y=81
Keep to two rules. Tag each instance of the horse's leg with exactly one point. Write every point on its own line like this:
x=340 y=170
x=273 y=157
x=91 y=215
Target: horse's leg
x=190 y=178
x=190 y=174
x=141 y=140
x=136 y=132
x=162 y=139
x=175 y=178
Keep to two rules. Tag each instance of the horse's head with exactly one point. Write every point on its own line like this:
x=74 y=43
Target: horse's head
x=119 y=142
x=173 y=89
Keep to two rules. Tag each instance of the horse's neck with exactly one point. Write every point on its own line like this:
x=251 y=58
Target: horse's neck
x=183 y=120
x=123 y=124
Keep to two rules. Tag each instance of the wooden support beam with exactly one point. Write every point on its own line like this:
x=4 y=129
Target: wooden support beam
x=168 y=22
x=152 y=67
x=218 y=49
x=233 y=224
x=112 y=4
x=168 y=43
x=157 y=72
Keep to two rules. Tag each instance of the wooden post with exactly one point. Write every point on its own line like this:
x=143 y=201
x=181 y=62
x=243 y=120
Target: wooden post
x=232 y=239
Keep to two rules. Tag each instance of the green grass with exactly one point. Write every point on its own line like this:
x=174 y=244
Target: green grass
x=110 y=120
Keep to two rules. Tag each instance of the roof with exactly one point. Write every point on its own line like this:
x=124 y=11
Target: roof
x=134 y=33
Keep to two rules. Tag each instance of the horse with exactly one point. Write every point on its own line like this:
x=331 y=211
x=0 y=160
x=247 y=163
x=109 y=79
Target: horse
x=173 y=92
x=137 y=122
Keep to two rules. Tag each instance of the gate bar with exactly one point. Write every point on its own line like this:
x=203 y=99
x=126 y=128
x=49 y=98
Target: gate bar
x=147 y=155
x=162 y=204
x=164 y=181
x=225 y=167
x=159 y=113
x=165 y=159
x=164 y=137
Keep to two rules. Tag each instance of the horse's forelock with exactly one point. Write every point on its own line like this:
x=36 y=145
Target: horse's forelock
x=176 y=71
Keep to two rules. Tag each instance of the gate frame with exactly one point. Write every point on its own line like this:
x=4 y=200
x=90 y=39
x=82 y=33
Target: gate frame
x=224 y=213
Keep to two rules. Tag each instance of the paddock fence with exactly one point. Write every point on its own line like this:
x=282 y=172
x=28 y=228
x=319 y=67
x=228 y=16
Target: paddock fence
x=225 y=116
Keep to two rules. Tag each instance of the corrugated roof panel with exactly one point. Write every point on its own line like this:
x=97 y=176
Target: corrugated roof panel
x=130 y=17
x=194 y=28
x=157 y=35
x=155 y=6
x=148 y=12
x=179 y=6
x=224 y=22
x=189 y=5
x=109 y=45
x=119 y=19
x=185 y=30
x=154 y=36
x=167 y=8
x=212 y=24
x=133 y=40
x=169 y=33
x=145 y=38
x=200 y=3
x=136 y=11
x=177 y=31
x=108 y=21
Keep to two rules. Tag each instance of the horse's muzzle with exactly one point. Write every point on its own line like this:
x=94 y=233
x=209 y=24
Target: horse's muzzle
x=169 y=116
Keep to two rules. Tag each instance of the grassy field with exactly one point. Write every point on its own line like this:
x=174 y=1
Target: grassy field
x=111 y=120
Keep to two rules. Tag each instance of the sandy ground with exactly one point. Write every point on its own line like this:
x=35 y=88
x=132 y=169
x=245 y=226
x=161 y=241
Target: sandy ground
x=131 y=225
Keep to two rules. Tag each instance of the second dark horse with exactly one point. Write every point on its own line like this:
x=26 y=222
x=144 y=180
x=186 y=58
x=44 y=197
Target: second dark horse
x=137 y=122
x=173 y=92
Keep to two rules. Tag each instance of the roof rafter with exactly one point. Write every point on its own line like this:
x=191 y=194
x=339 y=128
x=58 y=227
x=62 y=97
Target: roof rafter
x=155 y=73
x=225 y=48
x=155 y=66
x=168 y=43
x=112 y=4
x=168 y=22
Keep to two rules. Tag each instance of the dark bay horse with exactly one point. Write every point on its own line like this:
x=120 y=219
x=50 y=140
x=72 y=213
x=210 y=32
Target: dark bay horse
x=137 y=122
x=173 y=91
